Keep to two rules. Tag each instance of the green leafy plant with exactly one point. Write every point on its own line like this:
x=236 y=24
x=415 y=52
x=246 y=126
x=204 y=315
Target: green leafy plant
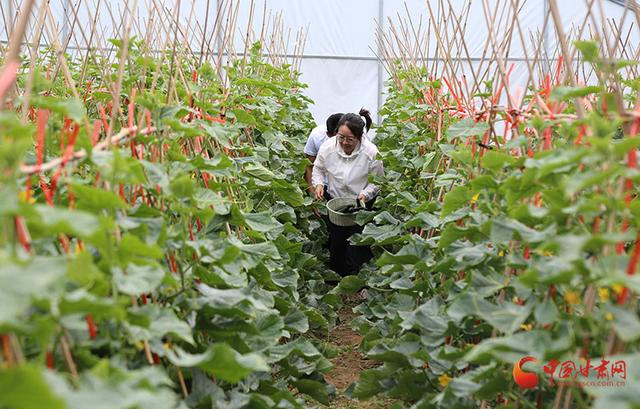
x=166 y=263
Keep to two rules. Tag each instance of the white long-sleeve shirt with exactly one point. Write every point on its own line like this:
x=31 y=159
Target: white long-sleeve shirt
x=347 y=175
x=316 y=138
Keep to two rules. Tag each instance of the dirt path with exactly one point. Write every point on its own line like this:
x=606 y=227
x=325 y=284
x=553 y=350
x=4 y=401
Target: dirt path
x=349 y=362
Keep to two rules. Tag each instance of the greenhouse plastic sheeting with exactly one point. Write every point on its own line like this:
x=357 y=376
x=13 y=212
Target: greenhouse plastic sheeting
x=339 y=62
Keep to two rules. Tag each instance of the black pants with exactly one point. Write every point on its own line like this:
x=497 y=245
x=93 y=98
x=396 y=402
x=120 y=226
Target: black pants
x=346 y=259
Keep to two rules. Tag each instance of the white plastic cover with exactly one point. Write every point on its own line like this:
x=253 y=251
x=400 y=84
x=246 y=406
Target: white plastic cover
x=340 y=63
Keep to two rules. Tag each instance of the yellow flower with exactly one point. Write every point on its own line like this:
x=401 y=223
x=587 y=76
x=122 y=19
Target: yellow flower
x=501 y=253
x=22 y=196
x=572 y=297
x=474 y=198
x=167 y=346
x=77 y=248
x=547 y=253
x=618 y=289
x=603 y=293
x=526 y=327
x=444 y=380
x=608 y=316
x=139 y=345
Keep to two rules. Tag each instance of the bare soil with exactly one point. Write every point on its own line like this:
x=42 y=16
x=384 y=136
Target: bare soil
x=350 y=361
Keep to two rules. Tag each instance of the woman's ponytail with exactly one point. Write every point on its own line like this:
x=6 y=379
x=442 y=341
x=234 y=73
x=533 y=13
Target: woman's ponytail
x=367 y=117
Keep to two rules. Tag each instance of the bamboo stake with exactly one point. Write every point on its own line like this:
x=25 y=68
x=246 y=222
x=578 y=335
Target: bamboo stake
x=113 y=140
x=12 y=58
x=68 y=357
x=32 y=64
x=89 y=43
x=553 y=7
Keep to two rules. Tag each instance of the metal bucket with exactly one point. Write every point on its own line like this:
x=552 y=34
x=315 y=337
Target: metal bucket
x=339 y=218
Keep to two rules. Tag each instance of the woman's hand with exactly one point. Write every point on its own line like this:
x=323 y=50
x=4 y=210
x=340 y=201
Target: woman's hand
x=362 y=197
x=319 y=192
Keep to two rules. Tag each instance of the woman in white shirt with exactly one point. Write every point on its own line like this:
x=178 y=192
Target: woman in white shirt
x=346 y=162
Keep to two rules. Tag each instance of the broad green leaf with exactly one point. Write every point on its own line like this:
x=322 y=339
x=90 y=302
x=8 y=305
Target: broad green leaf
x=116 y=166
x=546 y=312
x=484 y=182
x=564 y=93
x=131 y=245
x=182 y=186
x=450 y=234
x=590 y=178
x=503 y=230
x=430 y=320
x=221 y=361
x=229 y=298
x=24 y=387
x=298 y=347
x=93 y=199
x=589 y=50
x=381 y=234
x=262 y=222
x=138 y=279
x=156 y=175
x=259 y=251
x=369 y=384
x=107 y=387
x=414 y=251
x=626 y=324
x=487 y=283
x=424 y=219
x=258 y=171
x=83 y=271
x=464 y=156
x=80 y=301
x=58 y=220
x=511 y=348
x=349 y=285
x=244 y=117
x=72 y=108
x=218 y=162
x=297 y=321
x=387 y=258
x=495 y=160
x=316 y=319
x=399 y=354
x=506 y=317
x=466 y=127
x=455 y=199
x=549 y=270
x=292 y=195
x=207 y=198
x=164 y=321
x=315 y=389
x=22 y=282
x=9 y=204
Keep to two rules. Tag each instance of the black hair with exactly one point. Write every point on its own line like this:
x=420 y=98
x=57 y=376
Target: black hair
x=355 y=123
x=332 y=123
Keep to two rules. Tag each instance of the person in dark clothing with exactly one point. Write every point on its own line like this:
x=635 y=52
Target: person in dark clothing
x=316 y=138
